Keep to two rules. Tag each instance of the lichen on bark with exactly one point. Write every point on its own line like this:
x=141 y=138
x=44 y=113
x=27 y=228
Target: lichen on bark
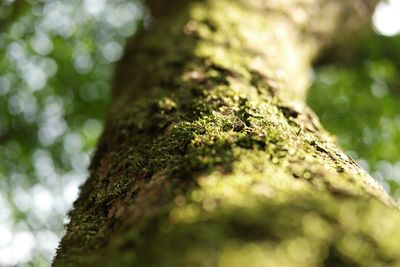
x=210 y=157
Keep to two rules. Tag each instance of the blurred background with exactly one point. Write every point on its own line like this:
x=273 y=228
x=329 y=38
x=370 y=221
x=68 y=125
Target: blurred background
x=56 y=65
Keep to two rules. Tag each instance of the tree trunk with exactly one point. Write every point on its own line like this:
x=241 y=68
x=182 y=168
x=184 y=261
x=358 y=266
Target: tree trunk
x=210 y=156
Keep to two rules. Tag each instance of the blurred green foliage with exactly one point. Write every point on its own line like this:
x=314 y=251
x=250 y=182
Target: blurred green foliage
x=56 y=65
x=56 y=62
x=359 y=102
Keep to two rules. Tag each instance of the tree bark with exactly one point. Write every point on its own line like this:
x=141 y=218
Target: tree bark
x=210 y=157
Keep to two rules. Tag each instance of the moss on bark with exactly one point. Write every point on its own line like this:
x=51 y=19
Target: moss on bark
x=210 y=158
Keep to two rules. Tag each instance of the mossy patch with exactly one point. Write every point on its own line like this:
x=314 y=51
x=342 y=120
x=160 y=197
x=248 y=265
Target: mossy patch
x=204 y=157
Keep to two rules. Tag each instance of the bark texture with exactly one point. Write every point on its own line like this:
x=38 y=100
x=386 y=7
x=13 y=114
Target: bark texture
x=211 y=158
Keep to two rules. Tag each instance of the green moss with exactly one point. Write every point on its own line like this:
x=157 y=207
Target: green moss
x=205 y=157
x=223 y=223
